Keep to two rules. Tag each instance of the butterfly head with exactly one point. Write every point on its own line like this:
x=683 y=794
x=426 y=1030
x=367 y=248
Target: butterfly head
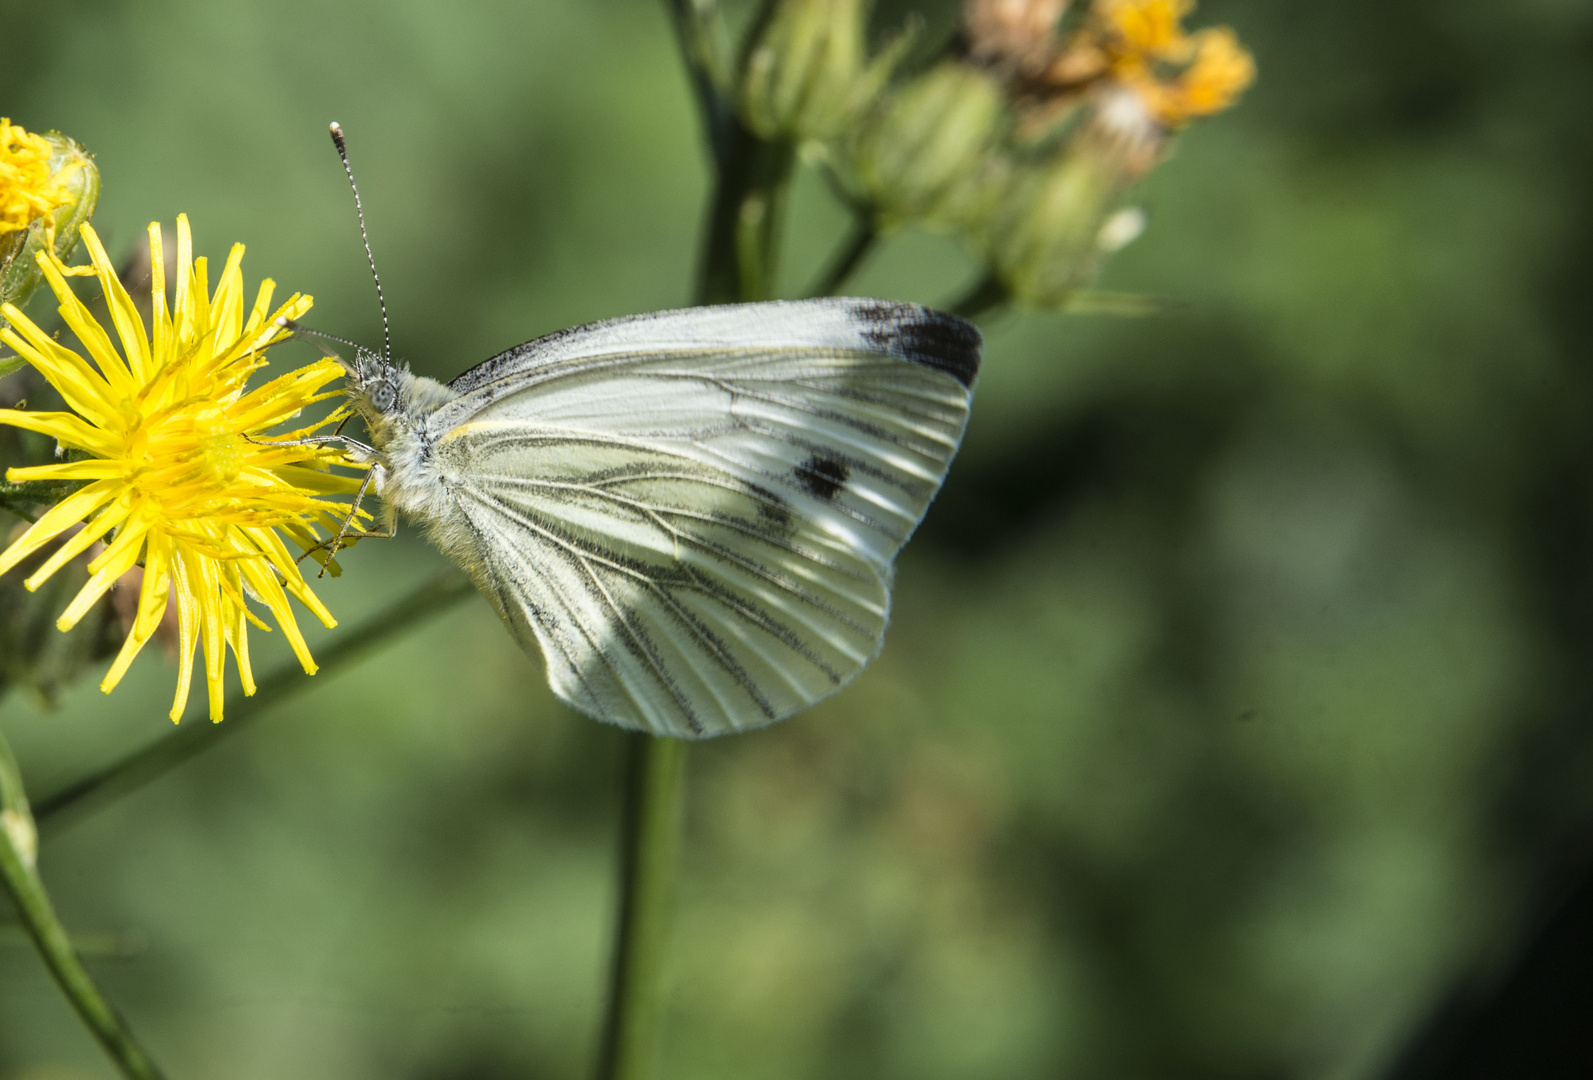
x=389 y=398
x=373 y=385
x=376 y=390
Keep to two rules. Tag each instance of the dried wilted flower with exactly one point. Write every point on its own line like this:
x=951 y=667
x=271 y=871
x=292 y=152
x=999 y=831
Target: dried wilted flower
x=1016 y=34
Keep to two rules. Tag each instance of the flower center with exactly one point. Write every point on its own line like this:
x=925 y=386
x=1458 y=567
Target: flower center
x=190 y=459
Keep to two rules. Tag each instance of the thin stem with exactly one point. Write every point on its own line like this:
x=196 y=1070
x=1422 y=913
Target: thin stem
x=17 y=497
x=166 y=753
x=860 y=243
x=745 y=222
x=986 y=297
x=92 y=946
x=700 y=33
x=18 y=847
x=649 y=845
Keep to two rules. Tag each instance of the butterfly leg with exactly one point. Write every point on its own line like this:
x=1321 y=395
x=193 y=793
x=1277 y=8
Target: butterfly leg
x=336 y=543
x=346 y=535
x=319 y=440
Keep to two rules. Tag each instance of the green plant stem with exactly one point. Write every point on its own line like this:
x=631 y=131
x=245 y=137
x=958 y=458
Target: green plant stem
x=93 y=946
x=18 y=846
x=746 y=218
x=860 y=243
x=20 y=498
x=987 y=297
x=700 y=34
x=649 y=845
x=187 y=739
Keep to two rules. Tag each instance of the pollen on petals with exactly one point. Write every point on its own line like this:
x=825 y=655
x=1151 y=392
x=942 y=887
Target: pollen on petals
x=179 y=473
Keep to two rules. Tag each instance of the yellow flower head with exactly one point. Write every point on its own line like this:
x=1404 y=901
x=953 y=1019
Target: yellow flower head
x=165 y=433
x=1178 y=76
x=27 y=190
x=1147 y=28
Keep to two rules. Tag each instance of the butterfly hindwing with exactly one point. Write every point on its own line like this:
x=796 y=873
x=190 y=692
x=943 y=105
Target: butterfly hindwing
x=694 y=514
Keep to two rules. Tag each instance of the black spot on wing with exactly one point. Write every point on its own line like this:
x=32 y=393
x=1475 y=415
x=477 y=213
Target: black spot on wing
x=932 y=338
x=822 y=477
x=772 y=509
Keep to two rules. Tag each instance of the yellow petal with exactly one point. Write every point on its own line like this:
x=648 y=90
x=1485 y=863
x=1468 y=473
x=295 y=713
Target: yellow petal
x=129 y=325
x=322 y=483
x=187 y=632
x=213 y=639
x=69 y=511
x=161 y=341
x=226 y=309
x=262 y=305
x=200 y=327
x=89 y=332
x=67 y=428
x=240 y=650
x=87 y=469
x=157 y=585
x=293 y=581
x=101 y=582
x=151 y=609
x=183 y=314
x=85 y=390
x=78 y=543
x=265 y=585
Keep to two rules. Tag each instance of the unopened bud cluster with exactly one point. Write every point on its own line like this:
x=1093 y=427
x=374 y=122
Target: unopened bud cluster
x=1026 y=137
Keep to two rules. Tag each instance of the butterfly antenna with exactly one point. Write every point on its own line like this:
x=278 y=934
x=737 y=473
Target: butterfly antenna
x=300 y=328
x=342 y=152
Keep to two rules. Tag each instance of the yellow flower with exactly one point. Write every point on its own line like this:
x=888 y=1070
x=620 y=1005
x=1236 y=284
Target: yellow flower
x=1218 y=71
x=1177 y=76
x=164 y=434
x=1147 y=28
x=27 y=190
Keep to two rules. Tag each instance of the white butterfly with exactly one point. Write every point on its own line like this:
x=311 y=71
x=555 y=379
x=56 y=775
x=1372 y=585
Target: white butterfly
x=692 y=514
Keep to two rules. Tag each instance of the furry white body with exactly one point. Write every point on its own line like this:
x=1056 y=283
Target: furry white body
x=692 y=515
x=408 y=477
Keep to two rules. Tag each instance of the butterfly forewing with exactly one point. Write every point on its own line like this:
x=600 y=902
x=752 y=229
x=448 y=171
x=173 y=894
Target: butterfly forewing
x=694 y=514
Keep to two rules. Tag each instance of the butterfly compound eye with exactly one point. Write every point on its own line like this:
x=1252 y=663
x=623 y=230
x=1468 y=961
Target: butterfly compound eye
x=383 y=396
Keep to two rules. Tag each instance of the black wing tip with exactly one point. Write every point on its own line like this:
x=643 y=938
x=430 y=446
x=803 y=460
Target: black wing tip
x=924 y=336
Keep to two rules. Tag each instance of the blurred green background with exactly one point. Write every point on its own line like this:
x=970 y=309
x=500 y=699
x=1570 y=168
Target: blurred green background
x=1234 y=720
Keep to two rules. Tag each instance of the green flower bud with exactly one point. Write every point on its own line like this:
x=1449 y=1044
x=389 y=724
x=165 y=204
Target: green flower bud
x=808 y=74
x=63 y=178
x=930 y=151
x=1057 y=219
